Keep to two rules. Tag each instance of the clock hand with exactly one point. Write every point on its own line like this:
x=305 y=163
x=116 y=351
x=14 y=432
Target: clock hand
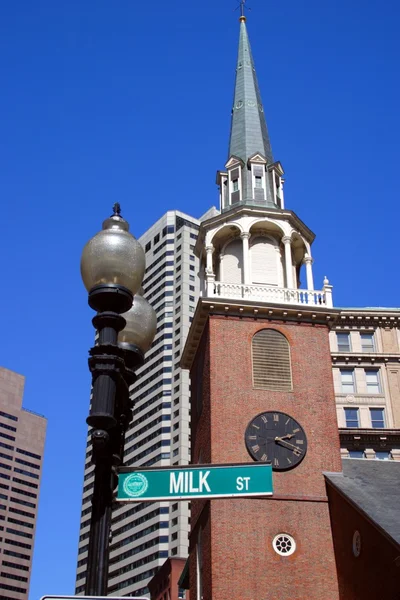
x=281 y=441
x=287 y=437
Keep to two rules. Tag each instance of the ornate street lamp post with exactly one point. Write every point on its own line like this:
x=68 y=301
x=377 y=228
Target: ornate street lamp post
x=112 y=268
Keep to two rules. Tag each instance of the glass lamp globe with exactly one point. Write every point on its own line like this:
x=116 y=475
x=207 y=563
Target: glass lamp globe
x=113 y=256
x=141 y=325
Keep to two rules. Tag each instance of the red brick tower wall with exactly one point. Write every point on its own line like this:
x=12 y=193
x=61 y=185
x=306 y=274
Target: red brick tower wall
x=240 y=562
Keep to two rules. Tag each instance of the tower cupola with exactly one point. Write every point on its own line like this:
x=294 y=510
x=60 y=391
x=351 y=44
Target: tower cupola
x=252 y=177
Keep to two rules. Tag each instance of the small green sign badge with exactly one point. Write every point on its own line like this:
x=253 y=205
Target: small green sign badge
x=135 y=485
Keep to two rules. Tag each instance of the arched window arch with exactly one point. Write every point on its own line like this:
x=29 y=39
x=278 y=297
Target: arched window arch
x=271 y=361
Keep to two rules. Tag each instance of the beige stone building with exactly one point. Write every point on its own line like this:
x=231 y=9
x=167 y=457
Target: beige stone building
x=22 y=437
x=365 y=345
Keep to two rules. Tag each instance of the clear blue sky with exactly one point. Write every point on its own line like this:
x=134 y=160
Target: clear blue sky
x=130 y=101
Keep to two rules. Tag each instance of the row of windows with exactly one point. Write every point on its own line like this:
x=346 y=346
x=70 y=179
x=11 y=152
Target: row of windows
x=163 y=539
x=149 y=426
x=31 y=454
x=137 y=563
x=27 y=463
x=20 y=533
x=136 y=579
x=161 y=246
x=377 y=415
x=348 y=381
x=12 y=588
x=16 y=554
x=157 y=261
x=6 y=446
x=147 y=439
x=150 y=515
x=153 y=283
x=158 y=290
x=156 y=363
x=9 y=427
x=18 y=544
x=160 y=269
x=344 y=342
x=139 y=534
x=12 y=576
x=156 y=239
x=379 y=454
x=8 y=416
x=7 y=563
x=152 y=448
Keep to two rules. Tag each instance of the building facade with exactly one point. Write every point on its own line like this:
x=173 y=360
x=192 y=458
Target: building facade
x=22 y=438
x=145 y=534
x=366 y=367
x=261 y=350
x=262 y=344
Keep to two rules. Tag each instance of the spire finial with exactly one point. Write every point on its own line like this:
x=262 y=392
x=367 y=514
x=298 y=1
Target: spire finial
x=242 y=6
x=117 y=209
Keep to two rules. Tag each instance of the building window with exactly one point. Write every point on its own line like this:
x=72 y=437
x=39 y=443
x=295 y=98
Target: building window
x=156 y=239
x=284 y=544
x=191 y=298
x=343 y=342
x=271 y=361
x=258 y=180
x=352 y=417
x=382 y=455
x=367 y=342
x=235 y=185
x=356 y=454
x=191 y=277
x=191 y=257
x=147 y=247
x=347 y=381
x=372 y=379
x=377 y=418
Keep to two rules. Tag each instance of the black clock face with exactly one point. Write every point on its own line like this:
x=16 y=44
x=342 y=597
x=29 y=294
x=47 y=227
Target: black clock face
x=277 y=438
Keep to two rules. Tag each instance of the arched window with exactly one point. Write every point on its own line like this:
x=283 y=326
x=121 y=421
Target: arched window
x=271 y=361
x=265 y=261
x=233 y=262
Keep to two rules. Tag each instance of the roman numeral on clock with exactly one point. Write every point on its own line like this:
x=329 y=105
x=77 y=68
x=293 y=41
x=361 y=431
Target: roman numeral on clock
x=255 y=448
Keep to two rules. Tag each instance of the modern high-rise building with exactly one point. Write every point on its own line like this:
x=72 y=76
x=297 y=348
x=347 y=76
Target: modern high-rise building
x=145 y=534
x=22 y=438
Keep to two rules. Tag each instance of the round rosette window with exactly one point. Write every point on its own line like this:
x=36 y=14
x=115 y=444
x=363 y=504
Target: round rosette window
x=284 y=544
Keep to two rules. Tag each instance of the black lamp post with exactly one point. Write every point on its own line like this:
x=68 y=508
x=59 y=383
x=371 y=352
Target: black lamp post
x=112 y=268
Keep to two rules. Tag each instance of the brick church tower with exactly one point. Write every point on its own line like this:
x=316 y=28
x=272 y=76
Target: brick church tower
x=262 y=388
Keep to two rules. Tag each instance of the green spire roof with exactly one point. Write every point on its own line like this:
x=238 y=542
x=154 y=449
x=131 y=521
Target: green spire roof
x=249 y=133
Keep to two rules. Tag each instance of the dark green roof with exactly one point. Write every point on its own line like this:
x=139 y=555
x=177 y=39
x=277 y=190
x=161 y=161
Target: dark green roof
x=249 y=134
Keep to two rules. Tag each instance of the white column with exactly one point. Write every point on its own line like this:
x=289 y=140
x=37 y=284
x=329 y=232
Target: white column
x=210 y=276
x=308 y=261
x=328 y=293
x=246 y=257
x=282 y=195
x=288 y=261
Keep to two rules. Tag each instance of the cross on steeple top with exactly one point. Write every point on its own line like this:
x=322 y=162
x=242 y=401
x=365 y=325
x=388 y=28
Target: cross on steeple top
x=243 y=7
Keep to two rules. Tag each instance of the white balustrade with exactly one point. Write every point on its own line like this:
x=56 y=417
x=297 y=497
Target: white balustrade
x=265 y=293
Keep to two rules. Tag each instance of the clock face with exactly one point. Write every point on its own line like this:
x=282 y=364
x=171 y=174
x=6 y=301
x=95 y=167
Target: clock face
x=277 y=438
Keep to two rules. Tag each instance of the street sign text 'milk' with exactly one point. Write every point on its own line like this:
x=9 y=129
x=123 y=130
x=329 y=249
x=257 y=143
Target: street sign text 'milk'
x=185 y=483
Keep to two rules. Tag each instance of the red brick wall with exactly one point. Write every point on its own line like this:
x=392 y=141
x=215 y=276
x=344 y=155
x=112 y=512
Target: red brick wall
x=241 y=560
x=374 y=575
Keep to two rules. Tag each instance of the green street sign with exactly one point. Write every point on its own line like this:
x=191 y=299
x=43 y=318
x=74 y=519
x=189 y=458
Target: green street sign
x=186 y=483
